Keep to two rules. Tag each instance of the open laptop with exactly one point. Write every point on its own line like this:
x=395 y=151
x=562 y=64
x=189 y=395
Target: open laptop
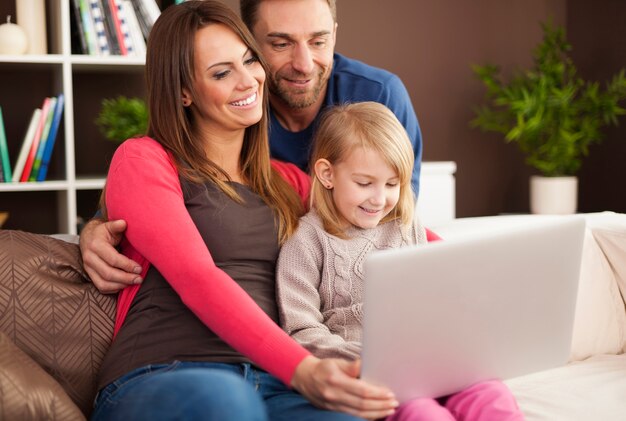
x=442 y=316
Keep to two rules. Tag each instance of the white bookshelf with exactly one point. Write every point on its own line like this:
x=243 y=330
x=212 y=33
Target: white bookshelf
x=64 y=73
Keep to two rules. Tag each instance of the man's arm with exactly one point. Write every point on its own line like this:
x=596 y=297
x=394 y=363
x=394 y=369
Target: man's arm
x=109 y=270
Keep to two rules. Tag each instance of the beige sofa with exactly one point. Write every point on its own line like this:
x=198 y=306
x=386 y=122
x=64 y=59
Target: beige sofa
x=55 y=328
x=592 y=386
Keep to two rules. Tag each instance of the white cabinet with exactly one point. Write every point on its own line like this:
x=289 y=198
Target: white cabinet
x=436 y=204
x=81 y=153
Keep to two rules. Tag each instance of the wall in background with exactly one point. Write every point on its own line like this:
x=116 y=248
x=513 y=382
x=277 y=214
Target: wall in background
x=431 y=45
x=597 y=31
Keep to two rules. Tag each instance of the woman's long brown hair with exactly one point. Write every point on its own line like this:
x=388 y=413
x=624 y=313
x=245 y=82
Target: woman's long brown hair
x=169 y=70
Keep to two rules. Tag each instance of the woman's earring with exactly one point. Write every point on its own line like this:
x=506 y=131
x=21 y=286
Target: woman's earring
x=186 y=103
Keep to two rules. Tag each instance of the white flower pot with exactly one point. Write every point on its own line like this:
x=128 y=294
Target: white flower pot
x=553 y=195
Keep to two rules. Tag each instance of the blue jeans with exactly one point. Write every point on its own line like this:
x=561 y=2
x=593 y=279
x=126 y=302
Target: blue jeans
x=204 y=391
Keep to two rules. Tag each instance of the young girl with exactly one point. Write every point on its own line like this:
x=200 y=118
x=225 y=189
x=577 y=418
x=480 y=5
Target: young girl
x=361 y=200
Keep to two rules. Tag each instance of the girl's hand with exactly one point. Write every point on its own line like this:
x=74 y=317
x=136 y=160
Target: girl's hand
x=334 y=384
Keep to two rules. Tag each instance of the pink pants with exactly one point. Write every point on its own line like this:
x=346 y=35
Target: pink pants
x=486 y=401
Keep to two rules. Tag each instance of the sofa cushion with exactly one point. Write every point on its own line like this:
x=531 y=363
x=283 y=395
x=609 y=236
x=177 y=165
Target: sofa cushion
x=600 y=319
x=50 y=310
x=593 y=389
x=27 y=392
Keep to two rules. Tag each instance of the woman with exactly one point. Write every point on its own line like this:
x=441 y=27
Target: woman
x=206 y=213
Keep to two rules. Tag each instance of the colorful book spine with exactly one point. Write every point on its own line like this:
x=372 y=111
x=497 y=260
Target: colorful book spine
x=98 y=23
x=118 y=27
x=79 y=44
x=110 y=27
x=30 y=159
x=4 y=151
x=124 y=27
x=89 y=28
x=139 y=44
x=26 y=145
x=58 y=112
x=42 y=142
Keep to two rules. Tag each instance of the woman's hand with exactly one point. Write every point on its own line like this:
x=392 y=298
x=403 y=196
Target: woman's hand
x=109 y=270
x=334 y=384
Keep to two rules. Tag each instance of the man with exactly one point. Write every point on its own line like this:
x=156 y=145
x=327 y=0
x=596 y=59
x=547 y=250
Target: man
x=297 y=38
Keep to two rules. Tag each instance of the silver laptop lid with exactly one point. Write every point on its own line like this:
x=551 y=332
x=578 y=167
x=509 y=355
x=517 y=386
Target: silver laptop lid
x=440 y=317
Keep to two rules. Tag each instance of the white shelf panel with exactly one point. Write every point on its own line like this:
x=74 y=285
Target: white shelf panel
x=32 y=59
x=35 y=186
x=94 y=183
x=107 y=63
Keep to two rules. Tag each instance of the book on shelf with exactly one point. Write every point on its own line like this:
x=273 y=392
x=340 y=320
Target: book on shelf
x=89 y=29
x=134 y=30
x=110 y=28
x=79 y=42
x=114 y=16
x=124 y=27
x=43 y=140
x=97 y=15
x=30 y=159
x=145 y=21
x=26 y=145
x=4 y=152
x=54 y=130
x=151 y=9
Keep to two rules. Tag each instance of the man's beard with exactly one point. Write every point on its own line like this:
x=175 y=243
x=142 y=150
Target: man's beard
x=298 y=98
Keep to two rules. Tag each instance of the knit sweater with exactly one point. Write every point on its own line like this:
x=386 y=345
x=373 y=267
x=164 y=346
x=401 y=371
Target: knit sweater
x=320 y=283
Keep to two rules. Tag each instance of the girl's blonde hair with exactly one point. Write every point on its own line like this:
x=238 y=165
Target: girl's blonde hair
x=369 y=125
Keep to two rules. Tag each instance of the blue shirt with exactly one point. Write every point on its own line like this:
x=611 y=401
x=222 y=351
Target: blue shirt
x=351 y=81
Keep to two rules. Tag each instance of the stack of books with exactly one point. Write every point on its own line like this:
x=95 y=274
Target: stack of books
x=112 y=27
x=36 y=151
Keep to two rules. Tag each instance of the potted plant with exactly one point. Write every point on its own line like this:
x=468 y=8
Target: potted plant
x=121 y=118
x=552 y=114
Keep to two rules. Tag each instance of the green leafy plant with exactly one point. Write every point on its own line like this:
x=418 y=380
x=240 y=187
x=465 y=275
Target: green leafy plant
x=122 y=118
x=549 y=111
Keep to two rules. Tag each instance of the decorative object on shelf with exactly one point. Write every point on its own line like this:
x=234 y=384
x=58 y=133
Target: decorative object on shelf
x=3 y=217
x=31 y=16
x=13 y=39
x=552 y=114
x=121 y=118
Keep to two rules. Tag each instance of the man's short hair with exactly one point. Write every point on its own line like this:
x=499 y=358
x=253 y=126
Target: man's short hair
x=248 y=11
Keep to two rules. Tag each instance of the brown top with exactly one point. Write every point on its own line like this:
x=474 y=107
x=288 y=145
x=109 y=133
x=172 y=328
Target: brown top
x=159 y=327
